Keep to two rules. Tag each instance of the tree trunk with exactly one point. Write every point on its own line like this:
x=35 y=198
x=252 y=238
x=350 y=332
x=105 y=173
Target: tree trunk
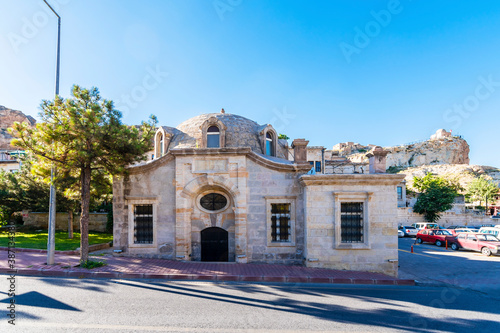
x=84 y=220
x=70 y=224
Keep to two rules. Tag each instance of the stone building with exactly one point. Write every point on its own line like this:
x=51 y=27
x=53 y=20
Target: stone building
x=220 y=187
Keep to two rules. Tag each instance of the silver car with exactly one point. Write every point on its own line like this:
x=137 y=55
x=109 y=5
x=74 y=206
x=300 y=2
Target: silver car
x=408 y=230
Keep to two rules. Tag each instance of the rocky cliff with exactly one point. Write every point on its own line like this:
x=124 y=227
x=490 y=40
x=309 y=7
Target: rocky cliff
x=7 y=118
x=440 y=150
x=464 y=174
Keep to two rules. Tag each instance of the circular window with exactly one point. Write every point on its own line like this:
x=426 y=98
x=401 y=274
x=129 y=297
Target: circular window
x=213 y=202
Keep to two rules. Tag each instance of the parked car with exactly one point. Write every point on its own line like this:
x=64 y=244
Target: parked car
x=420 y=226
x=456 y=231
x=489 y=230
x=484 y=243
x=438 y=237
x=401 y=234
x=408 y=230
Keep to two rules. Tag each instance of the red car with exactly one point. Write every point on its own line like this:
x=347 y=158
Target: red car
x=484 y=243
x=434 y=236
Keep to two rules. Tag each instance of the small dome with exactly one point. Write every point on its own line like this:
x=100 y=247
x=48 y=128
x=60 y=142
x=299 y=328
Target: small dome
x=240 y=131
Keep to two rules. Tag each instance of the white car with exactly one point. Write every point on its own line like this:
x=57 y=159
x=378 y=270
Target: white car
x=458 y=230
x=423 y=225
x=489 y=230
x=401 y=234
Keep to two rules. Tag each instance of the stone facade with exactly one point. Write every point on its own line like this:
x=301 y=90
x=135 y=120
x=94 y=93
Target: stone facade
x=262 y=206
x=378 y=252
x=97 y=221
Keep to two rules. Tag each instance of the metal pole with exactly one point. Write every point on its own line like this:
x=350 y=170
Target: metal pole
x=51 y=242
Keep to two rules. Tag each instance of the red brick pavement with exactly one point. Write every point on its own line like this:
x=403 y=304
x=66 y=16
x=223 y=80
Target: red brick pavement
x=32 y=263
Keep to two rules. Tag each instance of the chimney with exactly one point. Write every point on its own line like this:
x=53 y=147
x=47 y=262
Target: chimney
x=377 y=159
x=300 y=151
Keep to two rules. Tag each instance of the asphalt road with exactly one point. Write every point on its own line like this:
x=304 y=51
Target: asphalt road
x=432 y=265
x=81 y=305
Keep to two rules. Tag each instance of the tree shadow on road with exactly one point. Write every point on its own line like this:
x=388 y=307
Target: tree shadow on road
x=390 y=312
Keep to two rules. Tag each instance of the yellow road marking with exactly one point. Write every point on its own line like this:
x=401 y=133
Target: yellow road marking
x=425 y=255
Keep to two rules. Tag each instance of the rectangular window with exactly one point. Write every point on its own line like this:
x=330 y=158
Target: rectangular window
x=280 y=222
x=213 y=140
x=351 y=222
x=400 y=193
x=143 y=224
x=318 y=166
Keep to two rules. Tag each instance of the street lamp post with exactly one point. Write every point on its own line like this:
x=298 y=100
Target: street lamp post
x=51 y=243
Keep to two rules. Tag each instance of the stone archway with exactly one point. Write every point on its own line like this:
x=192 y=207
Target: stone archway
x=214 y=244
x=191 y=220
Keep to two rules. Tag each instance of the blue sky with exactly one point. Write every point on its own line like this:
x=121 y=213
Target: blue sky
x=373 y=72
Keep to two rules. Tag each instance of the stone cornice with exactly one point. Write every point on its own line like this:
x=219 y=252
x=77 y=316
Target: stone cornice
x=155 y=164
x=227 y=151
x=352 y=179
x=210 y=151
x=278 y=166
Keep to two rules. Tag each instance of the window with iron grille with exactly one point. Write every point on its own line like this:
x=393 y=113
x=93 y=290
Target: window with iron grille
x=143 y=224
x=280 y=222
x=213 y=201
x=351 y=222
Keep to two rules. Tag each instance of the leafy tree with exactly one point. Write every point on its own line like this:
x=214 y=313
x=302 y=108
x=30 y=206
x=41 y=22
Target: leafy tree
x=25 y=190
x=436 y=196
x=84 y=137
x=482 y=189
x=283 y=136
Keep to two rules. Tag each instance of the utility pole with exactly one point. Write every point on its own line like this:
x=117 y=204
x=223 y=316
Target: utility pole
x=51 y=242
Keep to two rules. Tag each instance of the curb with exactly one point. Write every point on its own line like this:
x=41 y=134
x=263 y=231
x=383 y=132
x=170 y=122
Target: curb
x=205 y=277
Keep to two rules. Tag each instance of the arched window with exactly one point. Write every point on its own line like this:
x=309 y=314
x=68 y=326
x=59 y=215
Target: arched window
x=213 y=137
x=269 y=144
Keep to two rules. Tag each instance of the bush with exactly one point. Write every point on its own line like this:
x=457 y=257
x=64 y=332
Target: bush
x=89 y=264
x=4 y=216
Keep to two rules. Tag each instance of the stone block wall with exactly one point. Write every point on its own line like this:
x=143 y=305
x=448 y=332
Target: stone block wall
x=265 y=185
x=97 y=221
x=407 y=217
x=147 y=184
x=379 y=250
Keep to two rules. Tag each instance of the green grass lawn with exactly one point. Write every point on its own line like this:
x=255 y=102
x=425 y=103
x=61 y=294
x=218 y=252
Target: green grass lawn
x=38 y=240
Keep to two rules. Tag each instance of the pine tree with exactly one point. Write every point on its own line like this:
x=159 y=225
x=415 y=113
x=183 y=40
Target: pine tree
x=84 y=136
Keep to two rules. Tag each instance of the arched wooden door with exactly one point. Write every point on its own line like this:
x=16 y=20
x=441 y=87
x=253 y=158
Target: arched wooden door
x=214 y=244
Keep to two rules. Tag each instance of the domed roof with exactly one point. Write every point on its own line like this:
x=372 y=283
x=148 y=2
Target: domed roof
x=240 y=131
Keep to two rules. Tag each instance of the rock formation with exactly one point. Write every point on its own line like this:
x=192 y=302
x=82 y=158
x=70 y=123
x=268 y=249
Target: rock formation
x=7 y=118
x=464 y=174
x=442 y=148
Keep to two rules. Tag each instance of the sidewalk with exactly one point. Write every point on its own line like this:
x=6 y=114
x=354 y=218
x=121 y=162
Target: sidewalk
x=30 y=263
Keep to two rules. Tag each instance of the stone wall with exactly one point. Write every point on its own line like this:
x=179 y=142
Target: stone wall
x=378 y=252
x=97 y=221
x=150 y=184
x=267 y=186
x=407 y=217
